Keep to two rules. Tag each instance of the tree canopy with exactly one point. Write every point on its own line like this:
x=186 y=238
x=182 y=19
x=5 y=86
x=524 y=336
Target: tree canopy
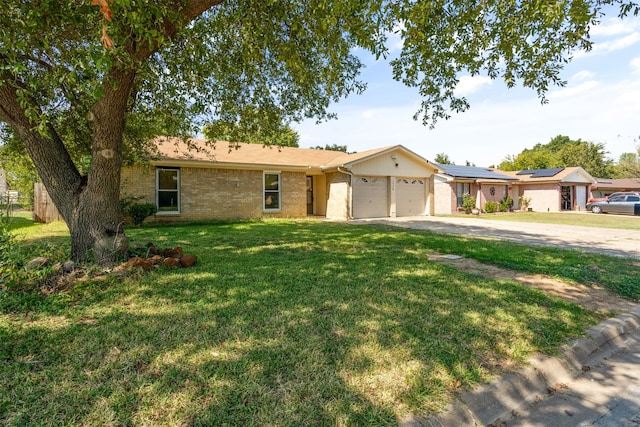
x=562 y=151
x=254 y=127
x=628 y=165
x=443 y=159
x=93 y=80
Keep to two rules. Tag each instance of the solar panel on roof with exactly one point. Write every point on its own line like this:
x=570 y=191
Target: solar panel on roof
x=541 y=173
x=472 y=172
x=545 y=173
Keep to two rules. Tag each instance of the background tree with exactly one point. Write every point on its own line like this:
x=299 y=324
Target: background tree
x=628 y=165
x=253 y=128
x=75 y=77
x=443 y=159
x=562 y=151
x=20 y=172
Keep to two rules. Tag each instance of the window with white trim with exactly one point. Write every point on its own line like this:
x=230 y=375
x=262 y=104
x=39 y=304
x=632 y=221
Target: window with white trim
x=271 y=183
x=168 y=190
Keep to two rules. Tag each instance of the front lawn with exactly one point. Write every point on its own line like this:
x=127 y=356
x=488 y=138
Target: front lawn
x=280 y=323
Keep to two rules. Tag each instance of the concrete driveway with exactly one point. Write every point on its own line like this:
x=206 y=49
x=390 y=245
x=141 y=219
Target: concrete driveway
x=609 y=241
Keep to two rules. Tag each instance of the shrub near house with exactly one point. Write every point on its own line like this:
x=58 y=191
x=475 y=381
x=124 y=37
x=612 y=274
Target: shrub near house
x=490 y=207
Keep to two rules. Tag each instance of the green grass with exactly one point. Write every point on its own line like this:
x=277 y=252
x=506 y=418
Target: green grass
x=586 y=219
x=282 y=323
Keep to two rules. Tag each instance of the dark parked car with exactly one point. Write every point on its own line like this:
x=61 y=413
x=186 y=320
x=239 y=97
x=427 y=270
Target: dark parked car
x=625 y=204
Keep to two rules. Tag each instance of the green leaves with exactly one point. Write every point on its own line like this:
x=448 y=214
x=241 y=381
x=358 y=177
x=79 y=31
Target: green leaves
x=293 y=57
x=562 y=151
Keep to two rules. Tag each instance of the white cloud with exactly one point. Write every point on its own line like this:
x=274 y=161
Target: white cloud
x=612 y=35
x=615 y=26
x=617 y=44
x=583 y=75
x=572 y=92
x=471 y=84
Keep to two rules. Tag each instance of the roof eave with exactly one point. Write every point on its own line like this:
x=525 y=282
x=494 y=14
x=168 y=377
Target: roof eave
x=233 y=165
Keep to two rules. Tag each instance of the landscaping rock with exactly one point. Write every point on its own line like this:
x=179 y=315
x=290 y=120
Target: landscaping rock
x=68 y=266
x=188 y=260
x=136 y=262
x=173 y=253
x=157 y=259
x=37 y=263
x=172 y=263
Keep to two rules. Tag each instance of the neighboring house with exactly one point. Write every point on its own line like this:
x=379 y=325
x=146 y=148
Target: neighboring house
x=549 y=190
x=553 y=190
x=604 y=187
x=483 y=183
x=228 y=180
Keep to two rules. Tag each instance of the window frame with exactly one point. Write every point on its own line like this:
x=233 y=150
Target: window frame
x=159 y=190
x=266 y=192
x=460 y=187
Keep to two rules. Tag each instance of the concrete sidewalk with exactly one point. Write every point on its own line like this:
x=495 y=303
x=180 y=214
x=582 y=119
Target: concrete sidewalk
x=596 y=382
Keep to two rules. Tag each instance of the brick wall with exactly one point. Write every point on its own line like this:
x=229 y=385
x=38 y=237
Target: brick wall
x=445 y=198
x=544 y=197
x=485 y=194
x=209 y=193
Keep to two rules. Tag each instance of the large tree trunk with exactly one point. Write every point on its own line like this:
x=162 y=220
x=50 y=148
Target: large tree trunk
x=89 y=205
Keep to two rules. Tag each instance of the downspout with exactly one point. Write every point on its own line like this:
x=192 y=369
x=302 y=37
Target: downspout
x=350 y=195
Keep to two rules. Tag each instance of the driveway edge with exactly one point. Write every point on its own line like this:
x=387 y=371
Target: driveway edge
x=544 y=374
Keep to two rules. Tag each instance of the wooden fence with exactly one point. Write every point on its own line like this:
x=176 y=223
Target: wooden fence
x=43 y=208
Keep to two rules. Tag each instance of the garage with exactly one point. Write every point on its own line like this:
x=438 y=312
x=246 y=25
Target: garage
x=370 y=197
x=381 y=183
x=410 y=196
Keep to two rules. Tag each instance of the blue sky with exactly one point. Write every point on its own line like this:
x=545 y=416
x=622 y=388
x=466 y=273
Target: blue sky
x=600 y=103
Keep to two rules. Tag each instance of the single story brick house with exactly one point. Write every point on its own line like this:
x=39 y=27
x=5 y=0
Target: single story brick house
x=549 y=190
x=484 y=183
x=235 y=180
x=604 y=187
x=553 y=190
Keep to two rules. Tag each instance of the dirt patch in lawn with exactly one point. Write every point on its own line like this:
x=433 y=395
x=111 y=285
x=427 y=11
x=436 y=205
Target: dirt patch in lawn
x=590 y=297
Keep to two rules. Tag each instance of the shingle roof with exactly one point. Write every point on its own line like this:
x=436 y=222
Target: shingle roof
x=546 y=174
x=241 y=153
x=474 y=172
x=624 y=183
x=222 y=152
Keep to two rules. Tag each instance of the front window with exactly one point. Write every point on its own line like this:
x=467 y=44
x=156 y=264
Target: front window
x=271 y=191
x=168 y=190
x=462 y=188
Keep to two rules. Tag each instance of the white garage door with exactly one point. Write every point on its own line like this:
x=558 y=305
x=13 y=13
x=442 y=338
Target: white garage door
x=410 y=199
x=370 y=198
